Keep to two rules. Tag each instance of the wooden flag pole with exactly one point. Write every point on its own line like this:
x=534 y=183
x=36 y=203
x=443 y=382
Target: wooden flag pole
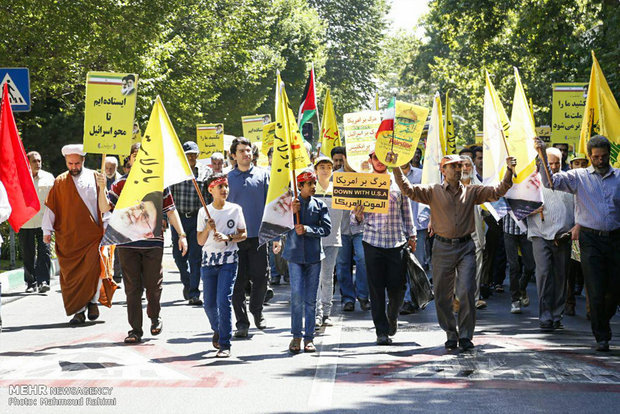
x=202 y=200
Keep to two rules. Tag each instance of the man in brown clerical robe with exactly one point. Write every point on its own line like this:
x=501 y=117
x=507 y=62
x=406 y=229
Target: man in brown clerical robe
x=73 y=215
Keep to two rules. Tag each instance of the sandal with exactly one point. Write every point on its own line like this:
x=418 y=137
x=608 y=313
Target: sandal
x=133 y=338
x=309 y=346
x=78 y=319
x=156 y=326
x=295 y=346
x=216 y=340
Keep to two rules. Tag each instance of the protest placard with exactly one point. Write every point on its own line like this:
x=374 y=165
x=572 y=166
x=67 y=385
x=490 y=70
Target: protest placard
x=569 y=101
x=370 y=190
x=253 y=126
x=210 y=139
x=359 y=132
x=109 y=111
x=269 y=131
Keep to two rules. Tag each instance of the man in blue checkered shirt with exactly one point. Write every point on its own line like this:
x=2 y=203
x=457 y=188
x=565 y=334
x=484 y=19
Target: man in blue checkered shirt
x=385 y=236
x=188 y=204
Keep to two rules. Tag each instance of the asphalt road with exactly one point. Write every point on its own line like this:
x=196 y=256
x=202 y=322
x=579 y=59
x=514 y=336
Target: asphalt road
x=514 y=368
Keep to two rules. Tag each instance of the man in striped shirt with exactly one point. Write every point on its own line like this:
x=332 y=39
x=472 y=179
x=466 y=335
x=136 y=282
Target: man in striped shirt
x=597 y=212
x=385 y=236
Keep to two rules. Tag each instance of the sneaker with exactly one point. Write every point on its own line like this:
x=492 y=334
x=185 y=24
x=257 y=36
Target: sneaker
x=480 y=304
x=602 y=346
x=364 y=304
x=223 y=353
x=348 y=307
x=515 y=307
x=241 y=333
x=558 y=325
x=317 y=323
x=327 y=321
x=194 y=302
x=525 y=300
x=383 y=340
x=31 y=289
x=451 y=344
x=45 y=287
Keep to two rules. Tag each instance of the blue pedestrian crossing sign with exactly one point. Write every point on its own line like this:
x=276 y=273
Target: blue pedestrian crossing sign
x=18 y=80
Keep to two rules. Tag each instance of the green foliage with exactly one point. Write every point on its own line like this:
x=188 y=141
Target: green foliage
x=547 y=40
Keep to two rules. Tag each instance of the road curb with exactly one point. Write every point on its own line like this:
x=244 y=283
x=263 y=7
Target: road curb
x=13 y=280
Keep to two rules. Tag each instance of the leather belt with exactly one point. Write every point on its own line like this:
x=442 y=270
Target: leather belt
x=600 y=232
x=454 y=241
x=188 y=215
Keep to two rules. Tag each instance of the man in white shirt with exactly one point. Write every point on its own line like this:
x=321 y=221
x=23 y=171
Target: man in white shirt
x=35 y=253
x=551 y=243
x=73 y=215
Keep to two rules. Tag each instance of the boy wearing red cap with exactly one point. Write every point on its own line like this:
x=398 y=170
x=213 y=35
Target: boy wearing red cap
x=304 y=252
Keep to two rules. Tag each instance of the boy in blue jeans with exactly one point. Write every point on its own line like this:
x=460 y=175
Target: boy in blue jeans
x=304 y=253
x=219 y=236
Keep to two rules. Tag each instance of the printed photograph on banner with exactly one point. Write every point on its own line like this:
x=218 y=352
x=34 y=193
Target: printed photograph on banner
x=369 y=190
x=409 y=122
x=109 y=112
x=138 y=222
x=210 y=139
x=359 y=134
x=253 y=126
x=262 y=161
x=568 y=104
x=269 y=131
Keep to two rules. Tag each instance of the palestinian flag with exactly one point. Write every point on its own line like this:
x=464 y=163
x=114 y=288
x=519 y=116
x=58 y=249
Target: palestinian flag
x=387 y=124
x=307 y=109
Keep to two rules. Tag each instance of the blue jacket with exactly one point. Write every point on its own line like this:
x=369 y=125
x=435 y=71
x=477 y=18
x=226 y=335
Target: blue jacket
x=307 y=249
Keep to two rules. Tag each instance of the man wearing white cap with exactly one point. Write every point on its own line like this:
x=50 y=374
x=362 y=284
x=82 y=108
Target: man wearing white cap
x=452 y=217
x=73 y=214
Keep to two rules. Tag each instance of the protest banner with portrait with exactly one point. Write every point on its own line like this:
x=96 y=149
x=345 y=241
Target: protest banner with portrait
x=253 y=126
x=369 y=190
x=109 y=111
x=210 y=139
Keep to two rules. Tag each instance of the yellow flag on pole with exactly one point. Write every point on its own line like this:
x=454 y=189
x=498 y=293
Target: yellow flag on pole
x=289 y=154
x=449 y=128
x=330 y=137
x=431 y=173
x=601 y=115
x=160 y=163
x=526 y=194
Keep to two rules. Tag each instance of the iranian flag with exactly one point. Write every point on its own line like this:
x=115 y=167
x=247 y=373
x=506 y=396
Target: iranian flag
x=387 y=124
x=307 y=109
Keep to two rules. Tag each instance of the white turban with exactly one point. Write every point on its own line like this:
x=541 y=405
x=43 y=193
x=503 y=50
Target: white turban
x=111 y=160
x=73 y=149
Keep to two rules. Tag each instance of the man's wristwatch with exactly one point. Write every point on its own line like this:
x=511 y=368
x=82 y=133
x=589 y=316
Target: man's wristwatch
x=183 y=235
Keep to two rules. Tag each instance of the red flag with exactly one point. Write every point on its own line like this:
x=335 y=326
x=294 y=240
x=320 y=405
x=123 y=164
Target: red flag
x=15 y=173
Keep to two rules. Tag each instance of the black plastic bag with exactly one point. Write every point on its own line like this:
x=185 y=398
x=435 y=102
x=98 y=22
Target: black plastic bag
x=419 y=286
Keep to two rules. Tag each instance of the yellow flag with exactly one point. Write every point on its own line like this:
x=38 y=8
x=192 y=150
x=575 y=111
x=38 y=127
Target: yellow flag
x=289 y=154
x=601 y=115
x=522 y=133
x=450 y=141
x=431 y=174
x=160 y=163
x=330 y=137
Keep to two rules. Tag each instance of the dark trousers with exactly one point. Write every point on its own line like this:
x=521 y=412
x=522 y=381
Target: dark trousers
x=493 y=257
x=551 y=268
x=518 y=279
x=385 y=270
x=454 y=265
x=252 y=268
x=188 y=265
x=600 y=262
x=142 y=269
x=36 y=255
x=574 y=275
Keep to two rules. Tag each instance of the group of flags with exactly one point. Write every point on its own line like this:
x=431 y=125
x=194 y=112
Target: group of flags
x=165 y=163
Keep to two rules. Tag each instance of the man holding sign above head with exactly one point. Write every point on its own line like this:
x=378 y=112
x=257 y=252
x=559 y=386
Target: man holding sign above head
x=385 y=235
x=452 y=216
